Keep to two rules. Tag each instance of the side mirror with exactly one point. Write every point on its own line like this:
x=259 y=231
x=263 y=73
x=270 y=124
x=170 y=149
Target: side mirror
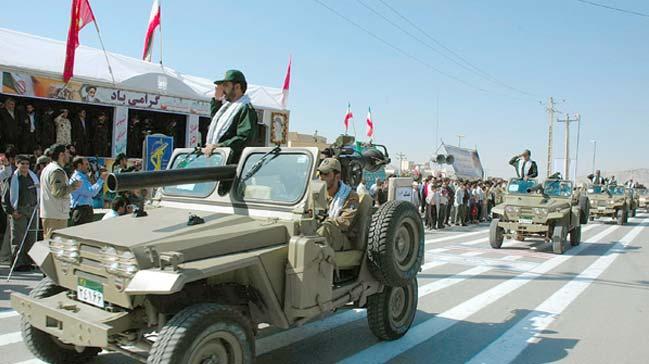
x=317 y=200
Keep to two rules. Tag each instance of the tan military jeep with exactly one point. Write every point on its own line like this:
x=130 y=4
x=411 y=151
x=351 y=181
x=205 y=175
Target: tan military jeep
x=550 y=211
x=223 y=249
x=611 y=201
x=643 y=199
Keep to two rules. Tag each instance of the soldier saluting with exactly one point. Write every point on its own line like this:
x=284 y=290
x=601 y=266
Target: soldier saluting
x=525 y=167
x=233 y=117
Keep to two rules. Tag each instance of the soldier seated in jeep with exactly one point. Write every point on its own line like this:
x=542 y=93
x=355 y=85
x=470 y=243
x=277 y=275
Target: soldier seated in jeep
x=343 y=203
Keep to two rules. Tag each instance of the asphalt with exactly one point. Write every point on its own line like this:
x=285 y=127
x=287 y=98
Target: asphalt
x=476 y=305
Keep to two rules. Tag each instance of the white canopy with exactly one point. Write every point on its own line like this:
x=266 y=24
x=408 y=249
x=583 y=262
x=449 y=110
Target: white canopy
x=34 y=54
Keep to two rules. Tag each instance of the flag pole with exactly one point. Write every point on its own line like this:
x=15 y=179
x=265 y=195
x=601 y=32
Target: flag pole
x=110 y=69
x=160 y=29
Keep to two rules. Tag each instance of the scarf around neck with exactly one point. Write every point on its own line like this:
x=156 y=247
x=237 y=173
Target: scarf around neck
x=339 y=199
x=223 y=119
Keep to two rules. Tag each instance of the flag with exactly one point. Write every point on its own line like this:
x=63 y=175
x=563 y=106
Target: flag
x=81 y=15
x=370 y=124
x=348 y=116
x=287 y=82
x=154 y=22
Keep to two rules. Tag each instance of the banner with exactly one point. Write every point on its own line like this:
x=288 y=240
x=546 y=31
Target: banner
x=23 y=84
x=467 y=163
x=192 y=135
x=120 y=130
x=157 y=152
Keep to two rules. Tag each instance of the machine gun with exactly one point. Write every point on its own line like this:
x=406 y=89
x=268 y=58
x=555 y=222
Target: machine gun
x=118 y=182
x=538 y=188
x=353 y=162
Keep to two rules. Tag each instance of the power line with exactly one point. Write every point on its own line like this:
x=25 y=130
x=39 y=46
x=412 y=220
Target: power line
x=631 y=12
x=473 y=67
x=398 y=49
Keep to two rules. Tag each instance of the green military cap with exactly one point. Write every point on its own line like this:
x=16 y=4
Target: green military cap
x=232 y=76
x=329 y=165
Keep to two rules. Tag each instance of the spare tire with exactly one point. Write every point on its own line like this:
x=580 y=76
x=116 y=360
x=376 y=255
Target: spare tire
x=396 y=243
x=584 y=209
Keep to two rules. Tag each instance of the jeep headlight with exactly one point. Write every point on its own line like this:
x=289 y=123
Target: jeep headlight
x=540 y=211
x=66 y=250
x=512 y=209
x=120 y=263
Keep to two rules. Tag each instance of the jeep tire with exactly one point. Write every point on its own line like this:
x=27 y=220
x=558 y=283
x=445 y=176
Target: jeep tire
x=575 y=235
x=584 y=209
x=205 y=333
x=559 y=239
x=390 y=313
x=45 y=346
x=496 y=234
x=621 y=215
x=396 y=243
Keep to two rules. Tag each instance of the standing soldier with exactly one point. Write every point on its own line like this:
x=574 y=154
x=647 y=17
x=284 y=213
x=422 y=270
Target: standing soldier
x=234 y=121
x=525 y=167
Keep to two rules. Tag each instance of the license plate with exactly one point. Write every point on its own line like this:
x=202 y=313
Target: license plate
x=601 y=208
x=524 y=221
x=90 y=292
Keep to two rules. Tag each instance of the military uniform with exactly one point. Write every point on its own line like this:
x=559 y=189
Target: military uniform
x=242 y=129
x=339 y=229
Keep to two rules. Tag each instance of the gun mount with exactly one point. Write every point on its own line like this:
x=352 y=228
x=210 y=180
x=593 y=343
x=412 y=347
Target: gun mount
x=353 y=161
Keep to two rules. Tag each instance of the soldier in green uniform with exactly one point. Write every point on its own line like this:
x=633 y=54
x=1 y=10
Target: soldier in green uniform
x=233 y=117
x=343 y=203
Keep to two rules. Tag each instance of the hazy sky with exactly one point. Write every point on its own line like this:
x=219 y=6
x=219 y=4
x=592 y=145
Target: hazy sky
x=518 y=53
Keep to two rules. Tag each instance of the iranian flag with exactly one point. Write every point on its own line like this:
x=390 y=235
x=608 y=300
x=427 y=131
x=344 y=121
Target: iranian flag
x=287 y=82
x=348 y=116
x=154 y=22
x=81 y=15
x=370 y=124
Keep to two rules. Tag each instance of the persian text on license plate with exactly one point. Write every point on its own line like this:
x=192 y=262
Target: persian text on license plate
x=524 y=221
x=90 y=292
x=601 y=208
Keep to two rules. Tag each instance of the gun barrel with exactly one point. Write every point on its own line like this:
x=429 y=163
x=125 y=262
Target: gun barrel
x=118 y=182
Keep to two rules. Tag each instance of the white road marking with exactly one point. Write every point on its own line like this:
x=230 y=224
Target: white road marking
x=475 y=242
x=384 y=351
x=11 y=338
x=480 y=261
x=437 y=250
x=7 y=314
x=455 y=236
x=472 y=253
x=508 y=346
x=32 y=361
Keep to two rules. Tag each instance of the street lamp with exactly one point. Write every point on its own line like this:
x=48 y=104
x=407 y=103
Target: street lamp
x=594 y=151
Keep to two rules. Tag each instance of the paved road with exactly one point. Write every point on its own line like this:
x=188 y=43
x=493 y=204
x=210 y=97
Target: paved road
x=476 y=305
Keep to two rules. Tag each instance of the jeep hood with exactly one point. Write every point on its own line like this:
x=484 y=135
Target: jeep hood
x=536 y=201
x=166 y=229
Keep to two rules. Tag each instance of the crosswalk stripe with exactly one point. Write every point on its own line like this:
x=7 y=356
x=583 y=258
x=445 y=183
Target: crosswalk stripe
x=453 y=237
x=508 y=346
x=384 y=351
x=475 y=242
x=32 y=361
x=11 y=338
x=7 y=314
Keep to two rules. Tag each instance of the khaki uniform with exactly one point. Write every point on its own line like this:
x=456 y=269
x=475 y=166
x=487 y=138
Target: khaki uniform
x=339 y=230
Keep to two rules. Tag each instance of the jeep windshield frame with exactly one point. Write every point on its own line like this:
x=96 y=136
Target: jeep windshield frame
x=558 y=188
x=194 y=160
x=519 y=186
x=617 y=191
x=282 y=179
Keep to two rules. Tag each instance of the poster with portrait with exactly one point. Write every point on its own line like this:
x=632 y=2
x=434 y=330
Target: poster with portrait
x=278 y=128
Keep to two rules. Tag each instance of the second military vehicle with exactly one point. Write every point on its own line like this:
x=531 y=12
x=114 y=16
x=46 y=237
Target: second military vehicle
x=610 y=201
x=225 y=249
x=549 y=211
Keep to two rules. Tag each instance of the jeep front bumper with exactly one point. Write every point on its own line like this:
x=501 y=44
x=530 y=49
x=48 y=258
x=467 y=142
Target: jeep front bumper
x=72 y=322
x=523 y=227
x=597 y=211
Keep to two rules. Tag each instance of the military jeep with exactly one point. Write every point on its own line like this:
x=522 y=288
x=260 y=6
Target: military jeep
x=222 y=250
x=611 y=201
x=643 y=199
x=550 y=211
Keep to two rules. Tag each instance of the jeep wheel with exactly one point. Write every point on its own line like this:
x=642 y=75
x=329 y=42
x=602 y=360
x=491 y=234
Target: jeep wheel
x=396 y=243
x=496 y=234
x=391 y=312
x=45 y=346
x=621 y=215
x=633 y=212
x=205 y=333
x=559 y=239
x=584 y=209
x=575 y=236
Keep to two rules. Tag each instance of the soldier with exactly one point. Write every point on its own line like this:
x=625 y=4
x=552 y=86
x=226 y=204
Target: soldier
x=234 y=122
x=343 y=203
x=525 y=167
x=597 y=178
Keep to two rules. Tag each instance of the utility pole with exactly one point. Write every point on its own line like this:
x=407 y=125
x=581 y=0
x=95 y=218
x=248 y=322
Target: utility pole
x=551 y=111
x=459 y=140
x=401 y=157
x=577 y=149
x=566 y=161
x=594 y=152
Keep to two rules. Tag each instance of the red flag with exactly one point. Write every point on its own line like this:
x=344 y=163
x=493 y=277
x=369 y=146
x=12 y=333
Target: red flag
x=287 y=82
x=80 y=16
x=154 y=22
x=348 y=116
x=370 y=124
